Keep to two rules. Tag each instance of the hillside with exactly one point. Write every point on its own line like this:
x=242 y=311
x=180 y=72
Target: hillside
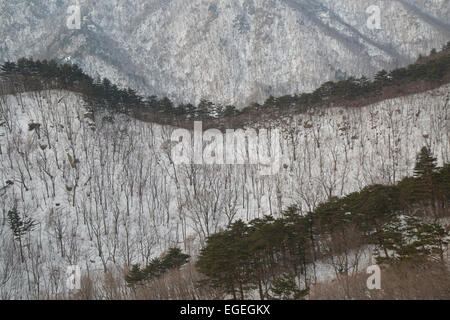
x=427 y=73
x=104 y=194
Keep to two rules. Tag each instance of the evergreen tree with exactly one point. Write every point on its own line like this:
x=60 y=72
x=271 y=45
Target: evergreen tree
x=204 y=109
x=266 y=239
x=230 y=111
x=425 y=240
x=154 y=269
x=286 y=288
x=188 y=110
x=166 y=104
x=426 y=164
x=135 y=276
x=390 y=241
x=226 y=260
x=425 y=171
x=443 y=183
x=415 y=240
x=381 y=79
x=270 y=102
x=8 y=68
x=20 y=226
x=174 y=259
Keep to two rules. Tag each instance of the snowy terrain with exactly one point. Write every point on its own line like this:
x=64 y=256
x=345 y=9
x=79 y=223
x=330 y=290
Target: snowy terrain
x=227 y=51
x=105 y=193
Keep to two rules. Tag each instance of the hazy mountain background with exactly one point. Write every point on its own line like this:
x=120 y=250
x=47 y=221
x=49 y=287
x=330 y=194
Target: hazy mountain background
x=234 y=51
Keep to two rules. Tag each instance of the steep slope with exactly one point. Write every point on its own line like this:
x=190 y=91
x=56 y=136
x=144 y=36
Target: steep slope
x=237 y=51
x=104 y=192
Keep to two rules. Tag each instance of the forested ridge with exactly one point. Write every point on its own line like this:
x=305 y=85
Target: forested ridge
x=28 y=74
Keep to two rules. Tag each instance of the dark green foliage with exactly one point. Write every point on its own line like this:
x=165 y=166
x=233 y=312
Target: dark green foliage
x=426 y=164
x=19 y=226
x=135 y=276
x=254 y=255
x=226 y=260
x=425 y=171
x=423 y=240
x=203 y=110
x=101 y=93
x=285 y=288
x=230 y=111
x=8 y=67
x=413 y=239
x=442 y=180
x=174 y=259
x=382 y=77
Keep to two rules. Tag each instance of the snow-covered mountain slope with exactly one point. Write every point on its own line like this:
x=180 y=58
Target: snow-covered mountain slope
x=237 y=51
x=105 y=193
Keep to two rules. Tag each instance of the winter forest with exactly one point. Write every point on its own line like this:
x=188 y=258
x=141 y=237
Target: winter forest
x=86 y=182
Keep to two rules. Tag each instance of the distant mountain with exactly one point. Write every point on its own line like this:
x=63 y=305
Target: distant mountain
x=235 y=51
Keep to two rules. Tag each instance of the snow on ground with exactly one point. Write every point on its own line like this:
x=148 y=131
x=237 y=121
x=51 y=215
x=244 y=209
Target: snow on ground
x=104 y=192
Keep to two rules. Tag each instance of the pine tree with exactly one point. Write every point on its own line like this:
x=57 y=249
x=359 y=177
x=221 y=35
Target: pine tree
x=390 y=241
x=429 y=239
x=135 y=276
x=8 y=68
x=286 y=288
x=420 y=241
x=444 y=185
x=154 y=269
x=166 y=104
x=381 y=79
x=174 y=259
x=204 y=109
x=266 y=238
x=426 y=164
x=213 y=263
x=226 y=260
x=20 y=226
x=230 y=111
x=374 y=212
x=188 y=110
x=425 y=171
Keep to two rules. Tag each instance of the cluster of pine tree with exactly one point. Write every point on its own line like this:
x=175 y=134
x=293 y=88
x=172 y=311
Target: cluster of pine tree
x=272 y=255
x=36 y=75
x=174 y=259
x=354 y=88
x=102 y=93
